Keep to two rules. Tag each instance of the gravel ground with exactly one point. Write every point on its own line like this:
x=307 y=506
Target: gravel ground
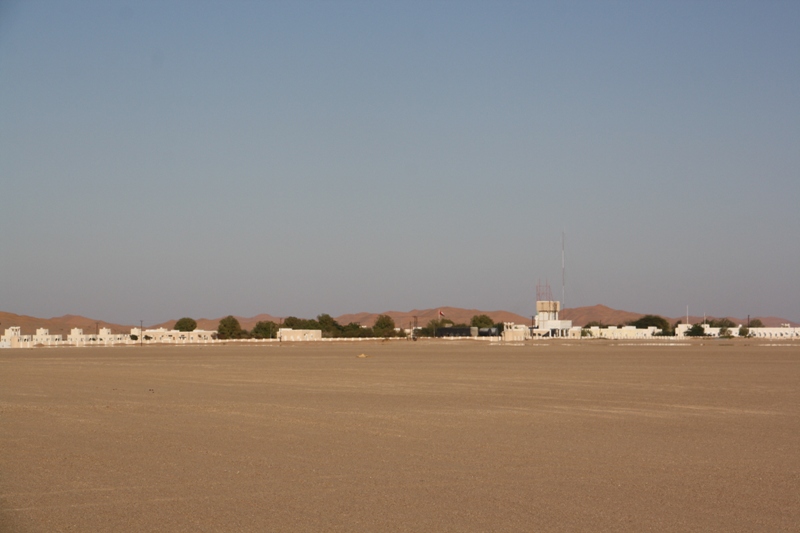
x=419 y=436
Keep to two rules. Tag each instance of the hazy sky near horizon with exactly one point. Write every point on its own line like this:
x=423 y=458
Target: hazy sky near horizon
x=168 y=159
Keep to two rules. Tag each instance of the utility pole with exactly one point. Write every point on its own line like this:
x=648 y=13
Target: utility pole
x=141 y=333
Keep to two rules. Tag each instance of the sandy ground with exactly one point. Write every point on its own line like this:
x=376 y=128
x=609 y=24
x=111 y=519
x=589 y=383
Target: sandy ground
x=426 y=436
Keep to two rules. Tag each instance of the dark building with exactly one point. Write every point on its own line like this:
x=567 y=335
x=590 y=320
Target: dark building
x=467 y=332
x=454 y=332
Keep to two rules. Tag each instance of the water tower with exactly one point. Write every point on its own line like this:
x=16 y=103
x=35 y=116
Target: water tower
x=547 y=322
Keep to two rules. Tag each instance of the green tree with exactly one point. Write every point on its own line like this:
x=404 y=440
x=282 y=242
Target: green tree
x=481 y=321
x=648 y=321
x=292 y=322
x=756 y=323
x=229 y=328
x=425 y=331
x=329 y=326
x=186 y=324
x=744 y=331
x=594 y=324
x=300 y=323
x=722 y=323
x=264 y=329
x=696 y=331
x=384 y=326
x=354 y=330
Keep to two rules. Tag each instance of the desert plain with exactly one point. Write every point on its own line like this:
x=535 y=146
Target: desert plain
x=416 y=436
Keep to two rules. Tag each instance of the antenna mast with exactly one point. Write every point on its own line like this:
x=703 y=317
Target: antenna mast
x=543 y=293
x=563 y=277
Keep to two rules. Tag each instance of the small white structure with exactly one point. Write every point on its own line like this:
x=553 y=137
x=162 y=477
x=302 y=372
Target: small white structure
x=77 y=337
x=289 y=334
x=614 y=332
x=44 y=338
x=172 y=336
x=785 y=332
x=106 y=337
x=13 y=338
x=514 y=332
x=102 y=337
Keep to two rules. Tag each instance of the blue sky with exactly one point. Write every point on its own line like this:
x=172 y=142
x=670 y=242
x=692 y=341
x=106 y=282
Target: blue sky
x=165 y=159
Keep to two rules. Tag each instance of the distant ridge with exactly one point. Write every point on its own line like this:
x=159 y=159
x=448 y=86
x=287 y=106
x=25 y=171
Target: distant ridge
x=580 y=316
x=212 y=323
x=406 y=318
x=60 y=325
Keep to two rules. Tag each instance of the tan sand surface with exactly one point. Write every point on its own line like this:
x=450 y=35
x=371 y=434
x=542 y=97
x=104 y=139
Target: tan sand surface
x=426 y=436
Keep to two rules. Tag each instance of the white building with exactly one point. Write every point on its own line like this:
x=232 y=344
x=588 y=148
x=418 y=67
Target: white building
x=515 y=332
x=786 y=331
x=173 y=336
x=77 y=337
x=44 y=338
x=614 y=332
x=289 y=334
x=547 y=323
x=13 y=338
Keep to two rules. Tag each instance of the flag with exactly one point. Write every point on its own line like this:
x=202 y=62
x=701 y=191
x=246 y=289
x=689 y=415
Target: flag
x=440 y=313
